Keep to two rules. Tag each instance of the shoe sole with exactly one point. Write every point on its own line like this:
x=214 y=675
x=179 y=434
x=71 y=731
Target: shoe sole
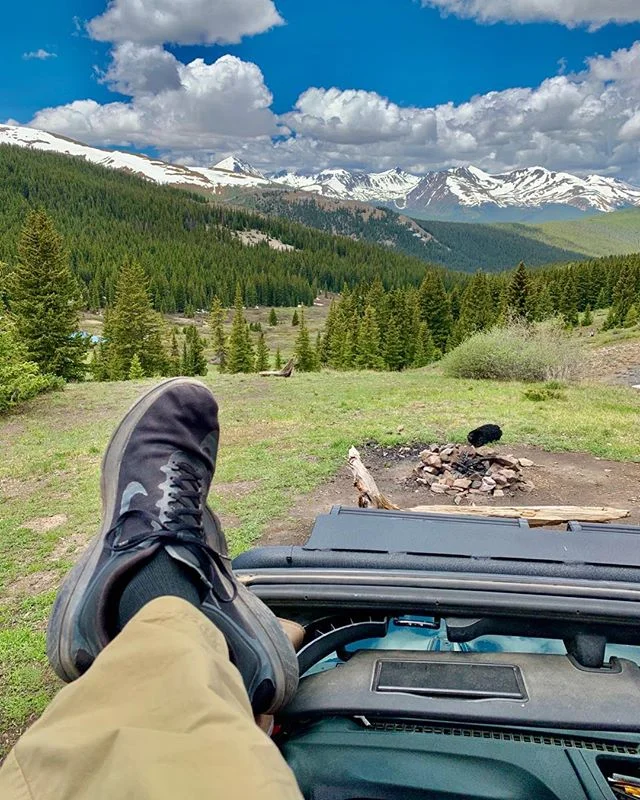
x=61 y=628
x=277 y=650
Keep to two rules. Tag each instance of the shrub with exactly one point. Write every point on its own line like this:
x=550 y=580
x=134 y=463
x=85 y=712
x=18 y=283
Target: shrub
x=19 y=379
x=517 y=352
x=540 y=394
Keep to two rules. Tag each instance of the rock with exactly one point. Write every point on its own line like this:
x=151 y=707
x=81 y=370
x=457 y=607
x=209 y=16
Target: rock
x=475 y=491
x=430 y=470
x=525 y=486
x=449 y=480
x=434 y=461
x=462 y=483
x=526 y=462
x=438 y=488
x=424 y=455
x=457 y=499
x=422 y=481
x=476 y=484
x=498 y=493
x=500 y=479
x=505 y=461
x=509 y=474
x=400 y=428
x=485 y=488
x=435 y=448
x=489 y=481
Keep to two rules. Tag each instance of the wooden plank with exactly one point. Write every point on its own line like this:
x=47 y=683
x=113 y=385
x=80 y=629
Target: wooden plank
x=536 y=515
x=364 y=482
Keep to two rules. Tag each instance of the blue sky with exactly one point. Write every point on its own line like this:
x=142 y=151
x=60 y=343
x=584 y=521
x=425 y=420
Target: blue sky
x=359 y=83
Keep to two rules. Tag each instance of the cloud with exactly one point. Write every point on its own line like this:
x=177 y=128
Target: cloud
x=41 y=55
x=587 y=121
x=184 y=21
x=359 y=117
x=174 y=105
x=572 y=13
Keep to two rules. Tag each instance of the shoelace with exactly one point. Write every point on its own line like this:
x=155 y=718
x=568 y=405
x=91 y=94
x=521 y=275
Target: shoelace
x=219 y=565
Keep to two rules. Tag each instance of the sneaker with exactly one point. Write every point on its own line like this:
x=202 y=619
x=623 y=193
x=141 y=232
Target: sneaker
x=156 y=474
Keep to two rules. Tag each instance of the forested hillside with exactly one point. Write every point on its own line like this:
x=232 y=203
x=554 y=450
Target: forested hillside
x=597 y=235
x=186 y=243
x=456 y=245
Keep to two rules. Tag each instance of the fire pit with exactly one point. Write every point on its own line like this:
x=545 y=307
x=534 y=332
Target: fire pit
x=460 y=470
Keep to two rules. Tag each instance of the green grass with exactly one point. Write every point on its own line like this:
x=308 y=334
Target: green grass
x=281 y=438
x=601 y=235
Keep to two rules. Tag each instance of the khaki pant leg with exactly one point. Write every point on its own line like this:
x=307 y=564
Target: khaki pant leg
x=161 y=715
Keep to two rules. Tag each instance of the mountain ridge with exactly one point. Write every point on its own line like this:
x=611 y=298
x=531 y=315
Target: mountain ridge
x=453 y=193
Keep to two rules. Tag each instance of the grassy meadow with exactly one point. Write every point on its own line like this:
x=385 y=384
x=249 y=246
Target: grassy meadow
x=280 y=439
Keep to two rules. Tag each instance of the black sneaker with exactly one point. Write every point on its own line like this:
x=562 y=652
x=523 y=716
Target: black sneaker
x=156 y=474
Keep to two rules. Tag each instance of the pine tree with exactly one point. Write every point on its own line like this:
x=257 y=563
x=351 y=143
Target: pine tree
x=435 y=309
x=132 y=327
x=273 y=318
x=194 y=361
x=625 y=294
x=632 y=318
x=569 y=301
x=477 y=312
x=587 y=318
x=519 y=301
x=278 y=359
x=216 y=326
x=240 y=357
x=136 y=372
x=295 y=320
x=393 y=349
x=262 y=355
x=45 y=301
x=174 y=365
x=426 y=351
x=545 y=308
x=305 y=356
x=368 y=342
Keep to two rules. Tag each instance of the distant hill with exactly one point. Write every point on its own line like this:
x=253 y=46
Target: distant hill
x=601 y=235
x=191 y=246
x=456 y=245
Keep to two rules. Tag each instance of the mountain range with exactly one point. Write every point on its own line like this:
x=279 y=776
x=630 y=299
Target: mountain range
x=464 y=193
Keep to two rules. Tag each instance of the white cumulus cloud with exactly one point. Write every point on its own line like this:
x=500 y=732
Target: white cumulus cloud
x=40 y=54
x=207 y=104
x=184 y=21
x=571 y=13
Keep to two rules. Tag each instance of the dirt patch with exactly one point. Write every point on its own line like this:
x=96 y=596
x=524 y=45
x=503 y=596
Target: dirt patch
x=32 y=584
x=44 y=524
x=18 y=489
x=69 y=546
x=617 y=363
x=559 y=479
x=235 y=489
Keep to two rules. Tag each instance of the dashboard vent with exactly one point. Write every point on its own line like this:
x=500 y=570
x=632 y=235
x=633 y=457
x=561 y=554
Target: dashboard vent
x=567 y=742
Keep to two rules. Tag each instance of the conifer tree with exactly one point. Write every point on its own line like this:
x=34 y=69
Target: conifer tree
x=216 y=326
x=194 y=362
x=603 y=298
x=368 y=342
x=174 y=366
x=435 y=309
x=632 y=318
x=569 y=301
x=295 y=320
x=305 y=355
x=136 y=372
x=519 y=301
x=625 y=294
x=348 y=351
x=476 y=308
x=545 y=308
x=262 y=354
x=45 y=301
x=133 y=327
x=393 y=349
x=426 y=351
x=240 y=358
x=273 y=318
x=587 y=318
x=278 y=359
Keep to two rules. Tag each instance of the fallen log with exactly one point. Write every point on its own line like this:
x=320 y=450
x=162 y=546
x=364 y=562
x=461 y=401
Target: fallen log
x=370 y=495
x=285 y=372
x=537 y=516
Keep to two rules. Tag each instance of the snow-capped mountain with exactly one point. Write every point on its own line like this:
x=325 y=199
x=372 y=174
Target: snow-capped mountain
x=452 y=192
x=533 y=187
x=230 y=172
x=341 y=183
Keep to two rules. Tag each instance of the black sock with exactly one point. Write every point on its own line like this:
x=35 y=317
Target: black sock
x=160 y=576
